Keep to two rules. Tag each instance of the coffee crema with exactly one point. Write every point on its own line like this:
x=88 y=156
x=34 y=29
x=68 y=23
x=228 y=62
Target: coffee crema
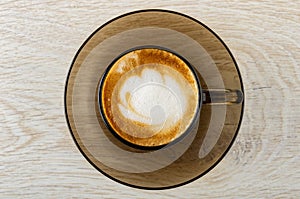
x=149 y=97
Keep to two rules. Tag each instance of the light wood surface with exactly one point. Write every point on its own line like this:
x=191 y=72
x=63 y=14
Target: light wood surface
x=38 y=42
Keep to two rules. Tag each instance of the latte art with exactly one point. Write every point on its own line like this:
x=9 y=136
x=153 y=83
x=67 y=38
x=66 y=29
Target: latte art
x=153 y=99
x=150 y=97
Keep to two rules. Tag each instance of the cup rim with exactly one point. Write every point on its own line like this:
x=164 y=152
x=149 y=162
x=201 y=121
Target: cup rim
x=104 y=117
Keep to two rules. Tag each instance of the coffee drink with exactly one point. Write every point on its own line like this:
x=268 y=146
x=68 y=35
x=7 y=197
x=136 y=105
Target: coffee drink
x=149 y=97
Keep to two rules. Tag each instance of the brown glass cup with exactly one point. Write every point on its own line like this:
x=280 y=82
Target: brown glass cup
x=135 y=61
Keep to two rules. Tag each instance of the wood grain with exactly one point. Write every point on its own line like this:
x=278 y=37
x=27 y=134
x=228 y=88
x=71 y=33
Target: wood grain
x=38 y=42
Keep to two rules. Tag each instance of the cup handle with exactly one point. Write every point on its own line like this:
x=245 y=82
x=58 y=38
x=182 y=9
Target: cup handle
x=222 y=96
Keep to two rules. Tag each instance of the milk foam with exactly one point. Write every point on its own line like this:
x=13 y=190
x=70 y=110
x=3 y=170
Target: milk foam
x=154 y=99
x=150 y=93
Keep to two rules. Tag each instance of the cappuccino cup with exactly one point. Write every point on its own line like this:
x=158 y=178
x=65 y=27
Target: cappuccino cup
x=150 y=97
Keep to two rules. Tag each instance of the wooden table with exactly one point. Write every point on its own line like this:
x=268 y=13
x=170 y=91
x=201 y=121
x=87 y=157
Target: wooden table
x=37 y=154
